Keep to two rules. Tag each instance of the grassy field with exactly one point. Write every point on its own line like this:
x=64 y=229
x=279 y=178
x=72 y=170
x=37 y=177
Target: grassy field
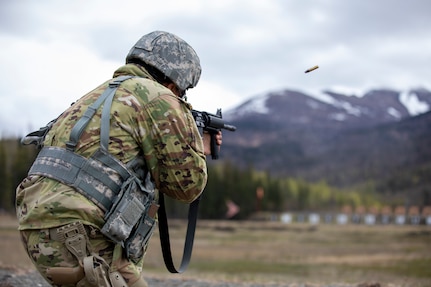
x=269 y=252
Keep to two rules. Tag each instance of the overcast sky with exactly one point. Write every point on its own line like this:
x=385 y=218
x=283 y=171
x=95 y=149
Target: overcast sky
x=53 y=52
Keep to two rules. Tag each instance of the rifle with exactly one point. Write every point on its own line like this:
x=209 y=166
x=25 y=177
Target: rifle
x=212 y=124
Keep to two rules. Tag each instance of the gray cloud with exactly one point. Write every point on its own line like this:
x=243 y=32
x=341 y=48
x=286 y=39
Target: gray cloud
x=246 y=47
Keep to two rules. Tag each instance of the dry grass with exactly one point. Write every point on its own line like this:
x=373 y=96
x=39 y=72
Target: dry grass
x=273 y=252
x=12 y=254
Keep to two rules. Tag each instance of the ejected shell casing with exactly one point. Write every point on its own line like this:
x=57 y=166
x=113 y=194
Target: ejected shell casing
x=312 y=69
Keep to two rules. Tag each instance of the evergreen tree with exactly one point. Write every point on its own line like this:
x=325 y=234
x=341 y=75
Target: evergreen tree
x=4 y=190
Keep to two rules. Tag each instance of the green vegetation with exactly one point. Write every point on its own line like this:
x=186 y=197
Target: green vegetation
x=15 y=161
x=226 y=182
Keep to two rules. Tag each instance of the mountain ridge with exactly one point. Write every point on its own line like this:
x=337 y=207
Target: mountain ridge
x=344 y=140
x=402 y=103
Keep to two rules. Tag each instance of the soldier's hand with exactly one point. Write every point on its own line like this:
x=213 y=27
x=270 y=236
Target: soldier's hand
x=207 y=141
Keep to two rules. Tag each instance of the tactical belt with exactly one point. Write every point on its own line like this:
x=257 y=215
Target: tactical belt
x=99 y=178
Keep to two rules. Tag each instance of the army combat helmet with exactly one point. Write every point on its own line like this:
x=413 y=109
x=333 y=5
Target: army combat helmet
x=171 y=55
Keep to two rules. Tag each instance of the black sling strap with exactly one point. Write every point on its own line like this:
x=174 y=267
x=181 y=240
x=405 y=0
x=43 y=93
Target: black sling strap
x=190 y=235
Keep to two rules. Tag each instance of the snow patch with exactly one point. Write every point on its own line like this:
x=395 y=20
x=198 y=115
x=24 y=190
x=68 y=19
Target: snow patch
x=313 y=104
x=338 y=117
x=322 y=97
x=394 y=112
x=256 y=105
x=348 y=107
x=348 y=91
x=413 y=104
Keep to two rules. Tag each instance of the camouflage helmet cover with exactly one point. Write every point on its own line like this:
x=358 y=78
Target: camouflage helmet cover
x=171 y=55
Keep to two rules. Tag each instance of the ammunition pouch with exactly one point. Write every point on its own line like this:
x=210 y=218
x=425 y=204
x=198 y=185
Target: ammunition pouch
x=131 y=219
x=136 y=242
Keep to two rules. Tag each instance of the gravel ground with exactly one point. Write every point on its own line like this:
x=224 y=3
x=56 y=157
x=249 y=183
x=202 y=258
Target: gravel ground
x=14 y=278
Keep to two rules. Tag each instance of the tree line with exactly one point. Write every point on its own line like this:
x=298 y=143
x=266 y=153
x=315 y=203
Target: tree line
x=247 y=188
x=256 y=191
x=15 y=160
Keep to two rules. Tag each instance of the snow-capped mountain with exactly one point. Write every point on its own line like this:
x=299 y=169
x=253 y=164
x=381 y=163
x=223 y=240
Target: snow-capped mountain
x=374 y=107
x=342 y=139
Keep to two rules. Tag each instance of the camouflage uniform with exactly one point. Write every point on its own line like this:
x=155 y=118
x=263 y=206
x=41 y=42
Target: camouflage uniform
x=147 y=120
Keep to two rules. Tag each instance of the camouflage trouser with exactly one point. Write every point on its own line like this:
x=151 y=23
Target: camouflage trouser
x=45 y=252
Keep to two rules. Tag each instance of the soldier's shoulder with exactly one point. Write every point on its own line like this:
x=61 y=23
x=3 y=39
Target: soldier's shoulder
x=146 y=88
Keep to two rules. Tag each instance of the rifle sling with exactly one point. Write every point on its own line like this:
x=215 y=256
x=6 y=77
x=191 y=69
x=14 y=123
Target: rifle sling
x=190 y=235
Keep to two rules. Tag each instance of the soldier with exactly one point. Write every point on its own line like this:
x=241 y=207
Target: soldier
x=87 y=208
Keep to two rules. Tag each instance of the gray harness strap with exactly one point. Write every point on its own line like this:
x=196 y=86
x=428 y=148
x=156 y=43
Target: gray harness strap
x=82 y=123
x=99 y=177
